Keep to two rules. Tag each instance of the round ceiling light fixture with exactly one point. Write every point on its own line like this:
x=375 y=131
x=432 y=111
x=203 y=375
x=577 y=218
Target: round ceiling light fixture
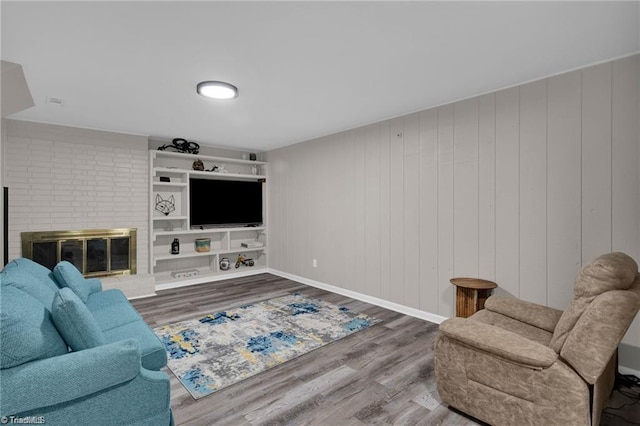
x=217 y=90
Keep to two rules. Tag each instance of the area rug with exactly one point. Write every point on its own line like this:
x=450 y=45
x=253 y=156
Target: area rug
x=223 y=348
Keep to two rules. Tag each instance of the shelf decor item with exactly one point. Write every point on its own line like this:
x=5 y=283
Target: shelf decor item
x=181 y=145
x=198 y=165
x=246 y=261
x=165 y=206
x=203 y=245
x=225 y=264
x=175 y=246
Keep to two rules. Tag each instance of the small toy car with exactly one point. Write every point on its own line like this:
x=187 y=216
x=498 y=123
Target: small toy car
x=246 y=261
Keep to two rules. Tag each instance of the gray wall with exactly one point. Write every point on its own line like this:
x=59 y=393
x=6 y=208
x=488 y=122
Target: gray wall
x=521 y=186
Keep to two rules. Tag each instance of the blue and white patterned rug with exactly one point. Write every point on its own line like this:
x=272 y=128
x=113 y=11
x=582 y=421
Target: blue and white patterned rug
x=223 y=348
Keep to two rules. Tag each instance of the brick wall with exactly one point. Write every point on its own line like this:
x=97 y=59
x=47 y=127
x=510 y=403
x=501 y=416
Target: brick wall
x=64 y=178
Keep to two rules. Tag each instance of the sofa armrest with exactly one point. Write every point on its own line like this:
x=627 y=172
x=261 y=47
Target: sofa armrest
x=497 y=341
x=95 y=285
x=533 y=314
x=67 y=377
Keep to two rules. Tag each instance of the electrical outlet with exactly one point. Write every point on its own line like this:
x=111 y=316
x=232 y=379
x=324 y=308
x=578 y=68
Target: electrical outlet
x=315 y=263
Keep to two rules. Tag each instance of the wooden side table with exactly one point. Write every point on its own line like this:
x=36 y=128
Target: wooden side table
x=471 y=293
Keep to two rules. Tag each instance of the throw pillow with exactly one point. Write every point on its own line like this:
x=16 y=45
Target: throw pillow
x=26 y=330
x=28 y=283
x=68 y=276
x=34 y=268
x=74 y=321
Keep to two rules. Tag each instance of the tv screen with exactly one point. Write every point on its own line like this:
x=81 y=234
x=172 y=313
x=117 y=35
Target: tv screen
x=224 y=202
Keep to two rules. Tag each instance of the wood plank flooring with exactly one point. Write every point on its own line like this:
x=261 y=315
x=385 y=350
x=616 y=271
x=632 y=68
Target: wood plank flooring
x=379 y=376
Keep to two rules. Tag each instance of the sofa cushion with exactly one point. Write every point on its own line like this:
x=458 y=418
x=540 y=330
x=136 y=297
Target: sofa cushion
x=68 y=275
x=115 y=315
x=43 y=290
x=26 y=330
x=74 y=321
x=104 y=298
x=154 y=356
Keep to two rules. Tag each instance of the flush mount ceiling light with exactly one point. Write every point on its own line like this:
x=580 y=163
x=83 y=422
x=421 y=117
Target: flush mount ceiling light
x=217 y=90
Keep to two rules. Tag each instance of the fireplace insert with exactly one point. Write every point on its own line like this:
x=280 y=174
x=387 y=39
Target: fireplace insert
x=95 y=252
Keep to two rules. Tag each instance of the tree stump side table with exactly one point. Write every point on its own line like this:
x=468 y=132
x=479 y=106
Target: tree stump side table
x=471 y=293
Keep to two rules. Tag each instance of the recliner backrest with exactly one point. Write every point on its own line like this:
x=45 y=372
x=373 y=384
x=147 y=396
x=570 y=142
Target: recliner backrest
x=609 y=272
x=595 y=337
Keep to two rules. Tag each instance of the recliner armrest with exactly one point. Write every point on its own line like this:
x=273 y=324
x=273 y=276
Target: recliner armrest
x=67 y=377
x=497 y=341
x=533 y=314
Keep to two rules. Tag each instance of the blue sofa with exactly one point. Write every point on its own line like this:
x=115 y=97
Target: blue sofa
x=72 y=353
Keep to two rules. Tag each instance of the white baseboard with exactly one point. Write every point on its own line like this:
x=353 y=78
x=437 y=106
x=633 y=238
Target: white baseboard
x=625 y=370
x=144 y=296
x=427 y=316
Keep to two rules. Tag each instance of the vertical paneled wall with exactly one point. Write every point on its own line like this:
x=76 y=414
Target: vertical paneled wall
x=521 y=186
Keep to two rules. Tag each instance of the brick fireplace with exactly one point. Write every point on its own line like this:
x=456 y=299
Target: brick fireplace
x=65 y=178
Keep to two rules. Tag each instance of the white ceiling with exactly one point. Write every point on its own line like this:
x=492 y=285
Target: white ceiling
x=304 y=69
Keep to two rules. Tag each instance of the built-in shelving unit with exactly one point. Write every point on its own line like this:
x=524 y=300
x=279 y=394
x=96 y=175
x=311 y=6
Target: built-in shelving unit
x=224 y=242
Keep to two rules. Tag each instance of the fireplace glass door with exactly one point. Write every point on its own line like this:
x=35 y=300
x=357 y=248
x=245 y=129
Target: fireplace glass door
x=96 y=252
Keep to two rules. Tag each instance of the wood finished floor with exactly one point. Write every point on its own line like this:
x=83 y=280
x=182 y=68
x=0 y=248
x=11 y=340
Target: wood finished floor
x=379 y=376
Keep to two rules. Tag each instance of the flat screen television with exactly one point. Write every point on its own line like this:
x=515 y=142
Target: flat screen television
x=215 y=202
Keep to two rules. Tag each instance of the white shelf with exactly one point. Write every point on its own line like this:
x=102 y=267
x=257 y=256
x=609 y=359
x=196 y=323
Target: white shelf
x=181 y=232
x=190 y=254
x=183 y=255
x=180 y=155
x=169 y=170
x=203 y=174
x=210 y=230
x=243 y=250
x=186 y=255
x=161 y=218
x=223 y=176
x=170 y=184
